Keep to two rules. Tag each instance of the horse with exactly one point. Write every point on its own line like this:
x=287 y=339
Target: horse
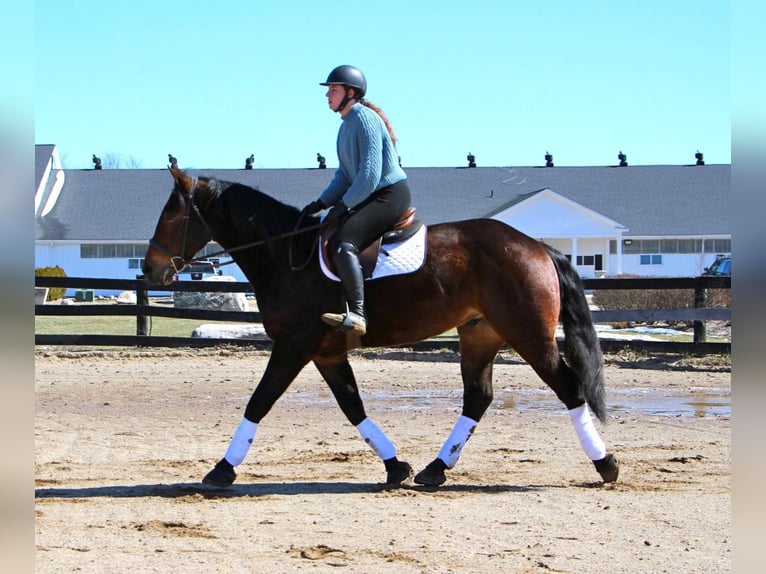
x=494 y=284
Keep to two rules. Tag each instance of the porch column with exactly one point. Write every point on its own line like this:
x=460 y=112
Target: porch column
x=618 y=269
x=574 y=253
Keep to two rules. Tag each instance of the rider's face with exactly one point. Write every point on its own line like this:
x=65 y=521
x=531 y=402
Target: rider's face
x=335 y=94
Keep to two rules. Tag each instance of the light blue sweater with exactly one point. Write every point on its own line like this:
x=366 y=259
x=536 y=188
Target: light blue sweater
x=367 y=157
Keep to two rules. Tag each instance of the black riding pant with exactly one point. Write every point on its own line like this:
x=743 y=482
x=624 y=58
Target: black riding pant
x=373 y=217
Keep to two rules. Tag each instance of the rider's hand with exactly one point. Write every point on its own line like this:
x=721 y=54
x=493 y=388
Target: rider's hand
x=314 y=207
x=337 y=214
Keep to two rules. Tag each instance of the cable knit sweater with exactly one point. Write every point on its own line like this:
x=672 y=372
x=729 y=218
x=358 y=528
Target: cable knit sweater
x=367 y=157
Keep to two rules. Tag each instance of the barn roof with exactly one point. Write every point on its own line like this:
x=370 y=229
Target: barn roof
x=124 y=204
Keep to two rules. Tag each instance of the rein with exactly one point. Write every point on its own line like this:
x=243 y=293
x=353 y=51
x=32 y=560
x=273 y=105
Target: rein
x=187 y=216
x=266 y=241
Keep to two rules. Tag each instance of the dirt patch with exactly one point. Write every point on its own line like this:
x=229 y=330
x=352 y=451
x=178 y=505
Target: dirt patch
x=123 y=437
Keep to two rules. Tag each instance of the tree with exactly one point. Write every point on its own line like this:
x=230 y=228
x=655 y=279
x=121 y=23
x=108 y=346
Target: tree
x=113 y=160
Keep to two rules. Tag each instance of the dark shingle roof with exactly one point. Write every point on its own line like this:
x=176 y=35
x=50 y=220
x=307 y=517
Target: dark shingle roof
x=649 y=200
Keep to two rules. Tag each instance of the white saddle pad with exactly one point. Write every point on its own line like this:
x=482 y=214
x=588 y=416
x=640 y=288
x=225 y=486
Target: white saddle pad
x=393 y=258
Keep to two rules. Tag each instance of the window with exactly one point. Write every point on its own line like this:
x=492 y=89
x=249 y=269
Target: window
x=135 y=263
x=130 y=251
x=586 y=260
x=638 y=246
x=654 y=259
x=690 y=246
x=124 y=250
x=112 y=250
x=651 y=245
x=88 y=251
x=718 y=246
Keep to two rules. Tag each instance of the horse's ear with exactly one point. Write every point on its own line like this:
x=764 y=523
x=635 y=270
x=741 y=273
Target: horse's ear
x=182 y=180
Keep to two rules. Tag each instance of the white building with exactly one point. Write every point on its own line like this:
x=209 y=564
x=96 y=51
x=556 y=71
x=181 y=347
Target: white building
x=638 y=220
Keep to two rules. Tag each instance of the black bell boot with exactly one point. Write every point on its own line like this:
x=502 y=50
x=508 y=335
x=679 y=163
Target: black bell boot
x=349 y=270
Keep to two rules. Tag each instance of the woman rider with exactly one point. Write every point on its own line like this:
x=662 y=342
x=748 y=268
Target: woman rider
x=369 y=192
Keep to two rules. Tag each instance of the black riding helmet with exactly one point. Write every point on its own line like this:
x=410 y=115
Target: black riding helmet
x=349 y=77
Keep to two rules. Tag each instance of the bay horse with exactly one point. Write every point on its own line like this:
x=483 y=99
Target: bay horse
x=493 y=283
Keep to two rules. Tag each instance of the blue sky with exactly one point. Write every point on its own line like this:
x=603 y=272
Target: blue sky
x=508 y=81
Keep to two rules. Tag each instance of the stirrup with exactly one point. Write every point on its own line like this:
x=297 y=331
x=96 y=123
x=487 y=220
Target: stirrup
x=348 y=321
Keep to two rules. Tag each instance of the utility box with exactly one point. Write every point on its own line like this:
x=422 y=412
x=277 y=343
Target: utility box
x=83 y=295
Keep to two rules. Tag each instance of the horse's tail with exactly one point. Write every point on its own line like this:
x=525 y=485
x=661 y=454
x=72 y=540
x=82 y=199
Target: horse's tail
x=582 y=350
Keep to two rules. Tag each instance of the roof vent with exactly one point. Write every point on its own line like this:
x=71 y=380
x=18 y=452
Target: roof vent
x=249 y=161
x=321 y=161
x=471 y=159
x=96 y=162
x=173 y=161
x=699 y=156
x=548 y=160
x=623 y=159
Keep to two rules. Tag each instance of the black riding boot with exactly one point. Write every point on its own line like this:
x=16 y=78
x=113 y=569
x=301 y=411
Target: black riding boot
x=346 y=261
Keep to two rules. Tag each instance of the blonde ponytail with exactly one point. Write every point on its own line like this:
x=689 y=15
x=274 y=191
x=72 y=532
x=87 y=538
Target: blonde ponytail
x=383 y=116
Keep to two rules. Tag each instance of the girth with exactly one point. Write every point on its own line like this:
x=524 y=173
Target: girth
x=406 y=227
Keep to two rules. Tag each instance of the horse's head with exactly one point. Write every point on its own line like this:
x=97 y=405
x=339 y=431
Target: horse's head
x=180 y=233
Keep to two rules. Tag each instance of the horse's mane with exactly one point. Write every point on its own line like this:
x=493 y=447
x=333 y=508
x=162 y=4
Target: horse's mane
x=248 y=208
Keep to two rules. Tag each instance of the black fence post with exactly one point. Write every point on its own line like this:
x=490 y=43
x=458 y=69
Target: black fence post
x=142 y=300
x=700 y=301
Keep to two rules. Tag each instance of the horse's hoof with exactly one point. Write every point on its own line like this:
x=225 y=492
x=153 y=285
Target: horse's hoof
x=401 y=472
x=222 y=475
x=432 y=475
x=608 y=467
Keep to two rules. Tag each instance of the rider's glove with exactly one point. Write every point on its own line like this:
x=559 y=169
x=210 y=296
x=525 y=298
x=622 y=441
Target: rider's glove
x=337 y=214
x=314 y=207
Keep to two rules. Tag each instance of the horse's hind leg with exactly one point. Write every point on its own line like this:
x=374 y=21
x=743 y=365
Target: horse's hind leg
x=479 y=345
x=547 y=362
x=340 y=378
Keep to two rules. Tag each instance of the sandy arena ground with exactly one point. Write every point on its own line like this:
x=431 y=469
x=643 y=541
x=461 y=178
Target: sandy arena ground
x=123 y=437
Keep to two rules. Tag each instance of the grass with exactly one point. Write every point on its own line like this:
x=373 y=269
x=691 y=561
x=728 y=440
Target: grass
x=116 y=325
x=170 y=327
x=159 y=326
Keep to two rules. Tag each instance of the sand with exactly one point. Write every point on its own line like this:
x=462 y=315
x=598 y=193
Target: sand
x=123 y=438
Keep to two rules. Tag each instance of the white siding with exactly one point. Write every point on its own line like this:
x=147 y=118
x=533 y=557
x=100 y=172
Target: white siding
x=67 y=256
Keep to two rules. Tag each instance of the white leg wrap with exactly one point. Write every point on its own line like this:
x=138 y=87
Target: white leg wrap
x=240 y=443
x=377 y=440
x=460 y=434
x=590 y=440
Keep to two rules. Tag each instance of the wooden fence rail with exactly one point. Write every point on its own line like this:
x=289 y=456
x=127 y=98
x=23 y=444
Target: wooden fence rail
x=142 y=310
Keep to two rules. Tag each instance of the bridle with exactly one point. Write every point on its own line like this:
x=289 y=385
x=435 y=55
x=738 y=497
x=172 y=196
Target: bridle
x=187 y=217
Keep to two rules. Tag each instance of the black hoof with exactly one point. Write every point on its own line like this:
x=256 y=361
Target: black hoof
x=608 y=467
x=222 y=475
x=433 y=474
x=400 y=472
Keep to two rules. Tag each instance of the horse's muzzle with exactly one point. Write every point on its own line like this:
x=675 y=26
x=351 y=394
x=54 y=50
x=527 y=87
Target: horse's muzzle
x=158 y=275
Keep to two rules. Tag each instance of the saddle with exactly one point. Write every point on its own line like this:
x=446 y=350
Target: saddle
x=406 y=227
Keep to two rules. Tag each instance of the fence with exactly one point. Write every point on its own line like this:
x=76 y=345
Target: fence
x=143 y=309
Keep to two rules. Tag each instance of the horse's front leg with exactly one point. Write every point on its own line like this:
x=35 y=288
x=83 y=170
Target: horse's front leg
x=479 y=345
x=340 y=378
x=284 y=365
